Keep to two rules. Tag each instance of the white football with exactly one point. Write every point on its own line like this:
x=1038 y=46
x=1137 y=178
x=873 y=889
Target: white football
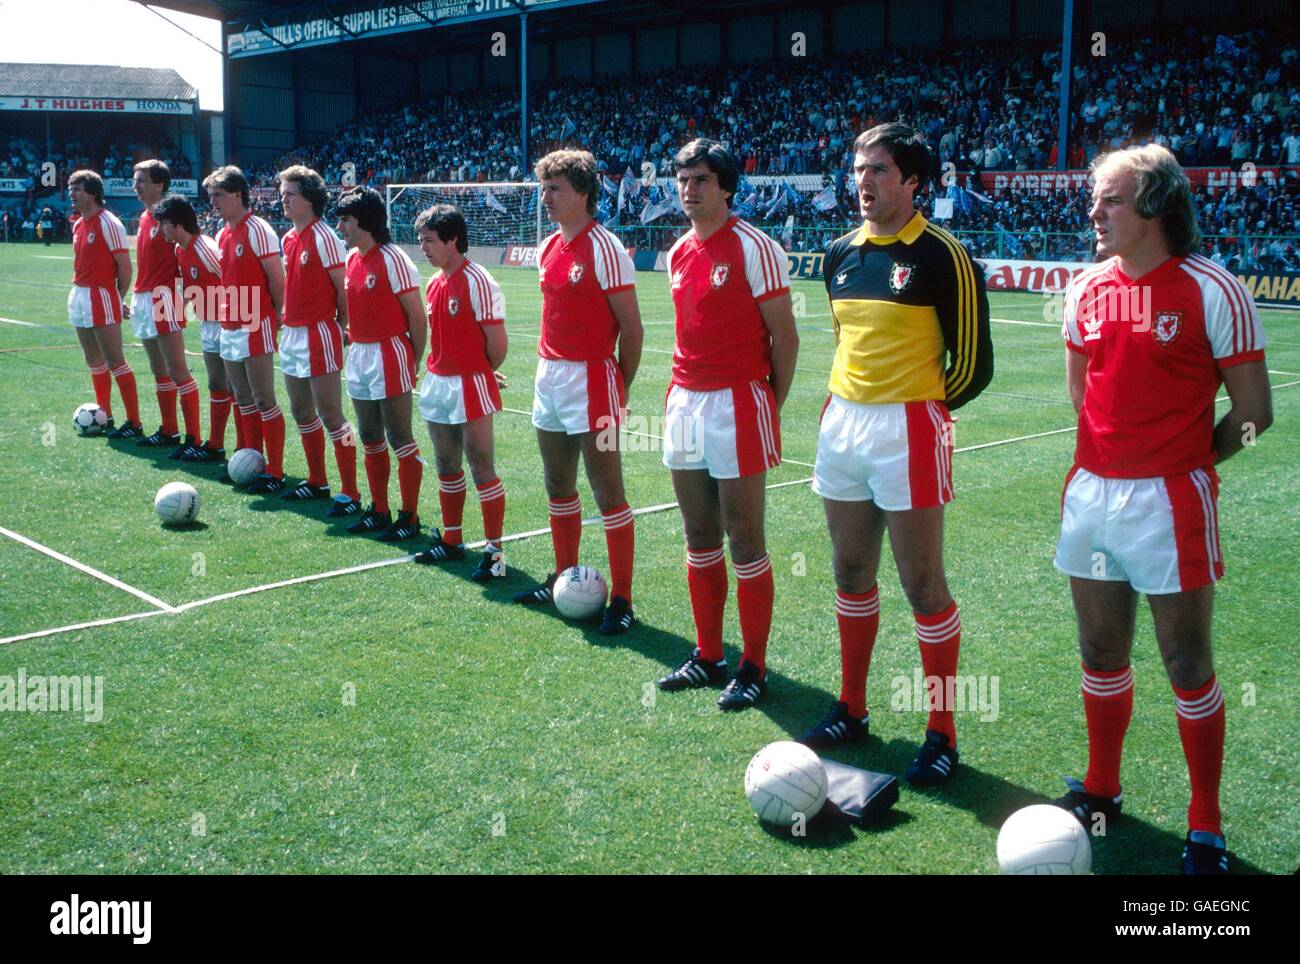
x=176 y=503
x=89 y=419
x=579 y=592
x=245 y=465
x=1043 y=839
x=785 y=779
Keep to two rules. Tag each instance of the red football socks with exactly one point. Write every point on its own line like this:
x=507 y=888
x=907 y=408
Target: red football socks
x=1108 y=708
x=313 y=447
x=451 y=500
x=165 y=390
x=410 y=471
x=858 y=615
x=754 y=594
x=1201 y=725
x=273 y=432
x=377 y=471
x=939 y=636
x=566 y=530
x=125 y=379
x=345 y=456
x=706 y=578
x=620 y=542
x=189 y=398
x=492 y=501
x=102 y=380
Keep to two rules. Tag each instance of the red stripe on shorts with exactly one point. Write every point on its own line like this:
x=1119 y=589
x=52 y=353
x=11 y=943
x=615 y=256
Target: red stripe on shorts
x=1194 y=499
x=758 y=432
x=605 y=394
x=927 y=457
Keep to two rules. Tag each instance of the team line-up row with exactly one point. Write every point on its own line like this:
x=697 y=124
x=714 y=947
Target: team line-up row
x=911 y=323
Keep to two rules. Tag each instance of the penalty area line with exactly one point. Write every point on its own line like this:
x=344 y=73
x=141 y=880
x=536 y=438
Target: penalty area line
x=88 y=570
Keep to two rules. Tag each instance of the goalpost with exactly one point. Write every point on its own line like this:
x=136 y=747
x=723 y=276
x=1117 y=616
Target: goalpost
x=499 y=213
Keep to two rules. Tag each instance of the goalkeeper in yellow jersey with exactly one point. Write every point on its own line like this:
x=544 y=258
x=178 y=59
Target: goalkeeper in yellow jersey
x=912 y=344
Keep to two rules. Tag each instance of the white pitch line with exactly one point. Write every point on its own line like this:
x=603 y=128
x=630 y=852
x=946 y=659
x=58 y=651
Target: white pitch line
x=25 y=324
x=88 y=570
x=1019 y=438
x=87 y=625
x=1036 y=324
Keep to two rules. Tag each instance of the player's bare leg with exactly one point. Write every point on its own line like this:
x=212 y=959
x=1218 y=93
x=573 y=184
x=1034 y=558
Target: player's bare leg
x=1183 y=623
x=916 y=538
x=857 y=532
x=396 y=413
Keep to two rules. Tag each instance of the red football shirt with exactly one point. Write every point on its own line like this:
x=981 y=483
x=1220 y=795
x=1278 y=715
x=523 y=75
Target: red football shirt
x=373 y=283
x=200 y=268
x=461 y=305
x=717 y=286
x=155 y=256
x=1156 y=346
x=309 y=294
x=95 y=241
x=243 y=248
x=577 y=279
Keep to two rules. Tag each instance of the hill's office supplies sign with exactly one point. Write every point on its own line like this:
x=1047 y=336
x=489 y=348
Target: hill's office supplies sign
x=374 y=21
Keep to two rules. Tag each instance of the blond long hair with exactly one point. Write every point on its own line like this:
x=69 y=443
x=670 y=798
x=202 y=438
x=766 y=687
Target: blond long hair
x=1163 y=191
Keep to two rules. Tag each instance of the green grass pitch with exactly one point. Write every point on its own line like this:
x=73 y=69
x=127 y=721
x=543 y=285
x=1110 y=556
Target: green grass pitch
x=406 y=720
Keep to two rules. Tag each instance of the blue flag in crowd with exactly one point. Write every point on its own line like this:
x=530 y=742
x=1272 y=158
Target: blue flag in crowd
x=824 y=200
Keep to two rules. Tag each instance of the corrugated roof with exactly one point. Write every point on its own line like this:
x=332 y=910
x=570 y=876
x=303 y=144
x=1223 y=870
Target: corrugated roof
x=87 y=80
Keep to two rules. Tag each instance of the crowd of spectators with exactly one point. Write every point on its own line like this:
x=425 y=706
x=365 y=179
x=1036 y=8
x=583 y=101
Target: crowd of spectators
x=1213 y=99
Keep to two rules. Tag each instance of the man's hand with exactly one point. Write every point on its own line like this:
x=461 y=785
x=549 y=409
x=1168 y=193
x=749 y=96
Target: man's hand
x=502 y=381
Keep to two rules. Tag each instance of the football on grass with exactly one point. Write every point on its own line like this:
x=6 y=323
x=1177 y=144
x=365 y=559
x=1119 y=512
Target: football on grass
x=177 y=503
x=579 y=592
x=1043 y=839
x=89 y=419
x=245 y=465
x=784 y=779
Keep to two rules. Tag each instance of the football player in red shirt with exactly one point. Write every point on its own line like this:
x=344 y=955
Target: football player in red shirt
x=732 y=369
x=253 y=276
x=1151 y=333
x=199 y=261
x=588 y=307
x=460 y=391
x=158 y=316
x=311 y=339
x=388 y=330
x=101 y=278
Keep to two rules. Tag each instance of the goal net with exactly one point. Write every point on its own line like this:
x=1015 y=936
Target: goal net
x=498 y=214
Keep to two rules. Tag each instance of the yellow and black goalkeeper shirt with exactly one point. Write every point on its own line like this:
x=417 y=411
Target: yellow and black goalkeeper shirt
x=900 y=303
